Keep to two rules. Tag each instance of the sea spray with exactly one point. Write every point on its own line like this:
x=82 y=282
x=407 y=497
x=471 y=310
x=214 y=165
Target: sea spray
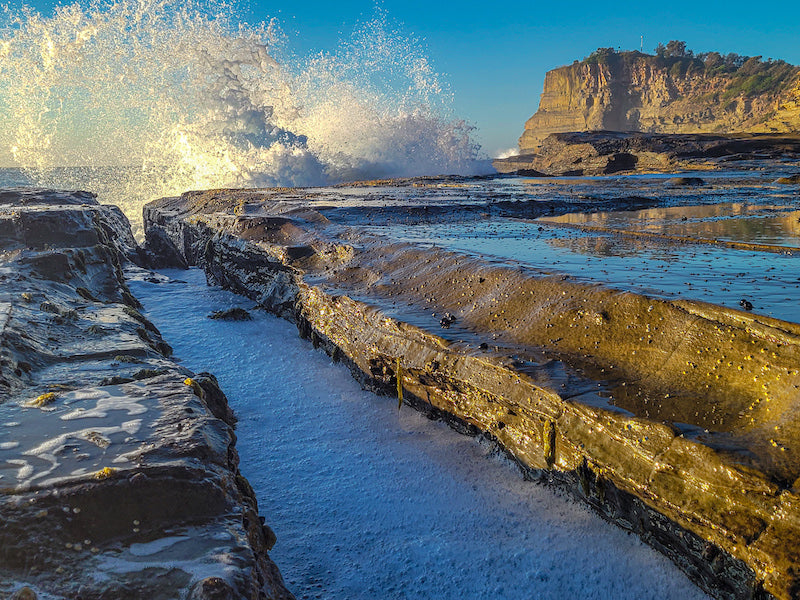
x=146 y=98
x=377 y=108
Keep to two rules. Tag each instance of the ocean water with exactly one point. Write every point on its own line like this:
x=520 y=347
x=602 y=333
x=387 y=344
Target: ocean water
x=15 y=177
x=370 y=502
x=182 y=94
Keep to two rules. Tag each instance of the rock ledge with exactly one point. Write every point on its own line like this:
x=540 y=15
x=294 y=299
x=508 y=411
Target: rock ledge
x=672 y=419
x=118 y=470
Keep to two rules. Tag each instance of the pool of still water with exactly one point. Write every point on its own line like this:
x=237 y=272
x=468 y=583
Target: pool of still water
x=769 y=281
x=370 y=502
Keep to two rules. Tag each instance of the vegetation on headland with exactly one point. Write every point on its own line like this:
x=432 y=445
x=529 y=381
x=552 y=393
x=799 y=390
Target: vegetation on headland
x=748 y=75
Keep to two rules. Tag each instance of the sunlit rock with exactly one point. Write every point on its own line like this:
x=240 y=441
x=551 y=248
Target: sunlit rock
x=672 y=418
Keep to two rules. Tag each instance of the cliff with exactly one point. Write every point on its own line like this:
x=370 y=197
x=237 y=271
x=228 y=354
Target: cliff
x=680 y=93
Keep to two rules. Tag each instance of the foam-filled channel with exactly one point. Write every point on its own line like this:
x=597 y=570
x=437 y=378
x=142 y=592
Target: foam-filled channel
x=371 y=502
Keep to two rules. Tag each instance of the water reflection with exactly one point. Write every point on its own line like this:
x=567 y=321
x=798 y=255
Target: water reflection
x=604 y=245
x=769 y=224
x=719 y=275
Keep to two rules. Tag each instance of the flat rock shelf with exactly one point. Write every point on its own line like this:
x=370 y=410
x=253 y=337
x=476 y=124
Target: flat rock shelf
x=674 y=418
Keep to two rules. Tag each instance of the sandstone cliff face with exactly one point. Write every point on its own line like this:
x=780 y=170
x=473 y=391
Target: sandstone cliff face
x=637 y=92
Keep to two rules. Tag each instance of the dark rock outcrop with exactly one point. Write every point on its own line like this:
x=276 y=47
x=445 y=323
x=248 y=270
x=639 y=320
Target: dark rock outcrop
x=608 y=152
x=160 y=253
x=686 y=181
x=118 y=470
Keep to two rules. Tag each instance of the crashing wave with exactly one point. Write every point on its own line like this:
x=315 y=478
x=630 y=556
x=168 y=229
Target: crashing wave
x=148 y=98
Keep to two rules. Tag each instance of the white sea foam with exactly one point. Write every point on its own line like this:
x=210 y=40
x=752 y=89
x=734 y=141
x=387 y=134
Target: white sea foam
x=508 y=153
x=156 y=546
x=25 y=468
x=185 y=97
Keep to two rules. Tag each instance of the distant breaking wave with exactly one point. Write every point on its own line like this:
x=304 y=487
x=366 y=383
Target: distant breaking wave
x=183 y=96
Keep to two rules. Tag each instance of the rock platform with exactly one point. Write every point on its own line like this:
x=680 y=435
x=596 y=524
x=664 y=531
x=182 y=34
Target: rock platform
x=608 y=152
x=118 y=467
x=673 y=419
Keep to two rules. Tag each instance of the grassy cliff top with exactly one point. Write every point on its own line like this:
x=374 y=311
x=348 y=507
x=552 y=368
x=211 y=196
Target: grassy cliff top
x=748 y=75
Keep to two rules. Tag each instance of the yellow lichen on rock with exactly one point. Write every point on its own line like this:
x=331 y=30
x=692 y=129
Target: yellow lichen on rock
x=198 y=391
x=104 y=473
x=43 y=400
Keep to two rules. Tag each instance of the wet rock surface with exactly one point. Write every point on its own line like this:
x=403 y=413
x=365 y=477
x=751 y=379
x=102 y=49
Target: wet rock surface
x=118 y=470
x=609 y=152
x=674 y=419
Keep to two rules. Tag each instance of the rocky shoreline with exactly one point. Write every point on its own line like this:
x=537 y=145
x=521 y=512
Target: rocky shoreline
x=118 y=467
x=666 y=417
x=608 y=152
x=119 y=476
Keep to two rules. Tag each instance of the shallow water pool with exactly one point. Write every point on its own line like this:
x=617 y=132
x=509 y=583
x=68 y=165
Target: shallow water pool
x=769 y=281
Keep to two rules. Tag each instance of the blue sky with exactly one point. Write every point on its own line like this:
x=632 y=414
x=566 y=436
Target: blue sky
x=495 y=55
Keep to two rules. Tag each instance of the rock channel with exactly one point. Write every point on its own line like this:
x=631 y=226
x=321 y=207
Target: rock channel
x=674 y=420
x=118 y=467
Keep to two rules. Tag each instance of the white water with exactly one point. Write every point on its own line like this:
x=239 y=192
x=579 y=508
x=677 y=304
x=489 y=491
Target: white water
x=370 y=502
x=178 y=94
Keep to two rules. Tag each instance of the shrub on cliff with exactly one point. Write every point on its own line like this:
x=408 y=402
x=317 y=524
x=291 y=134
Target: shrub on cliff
x=749 y=75
x=755 y=77
x=673 y=49
x=601 y=56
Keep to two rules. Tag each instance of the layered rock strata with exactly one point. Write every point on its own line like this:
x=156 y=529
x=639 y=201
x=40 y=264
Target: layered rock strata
x=673 y=419
x=630 y=91
x=118 y=470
